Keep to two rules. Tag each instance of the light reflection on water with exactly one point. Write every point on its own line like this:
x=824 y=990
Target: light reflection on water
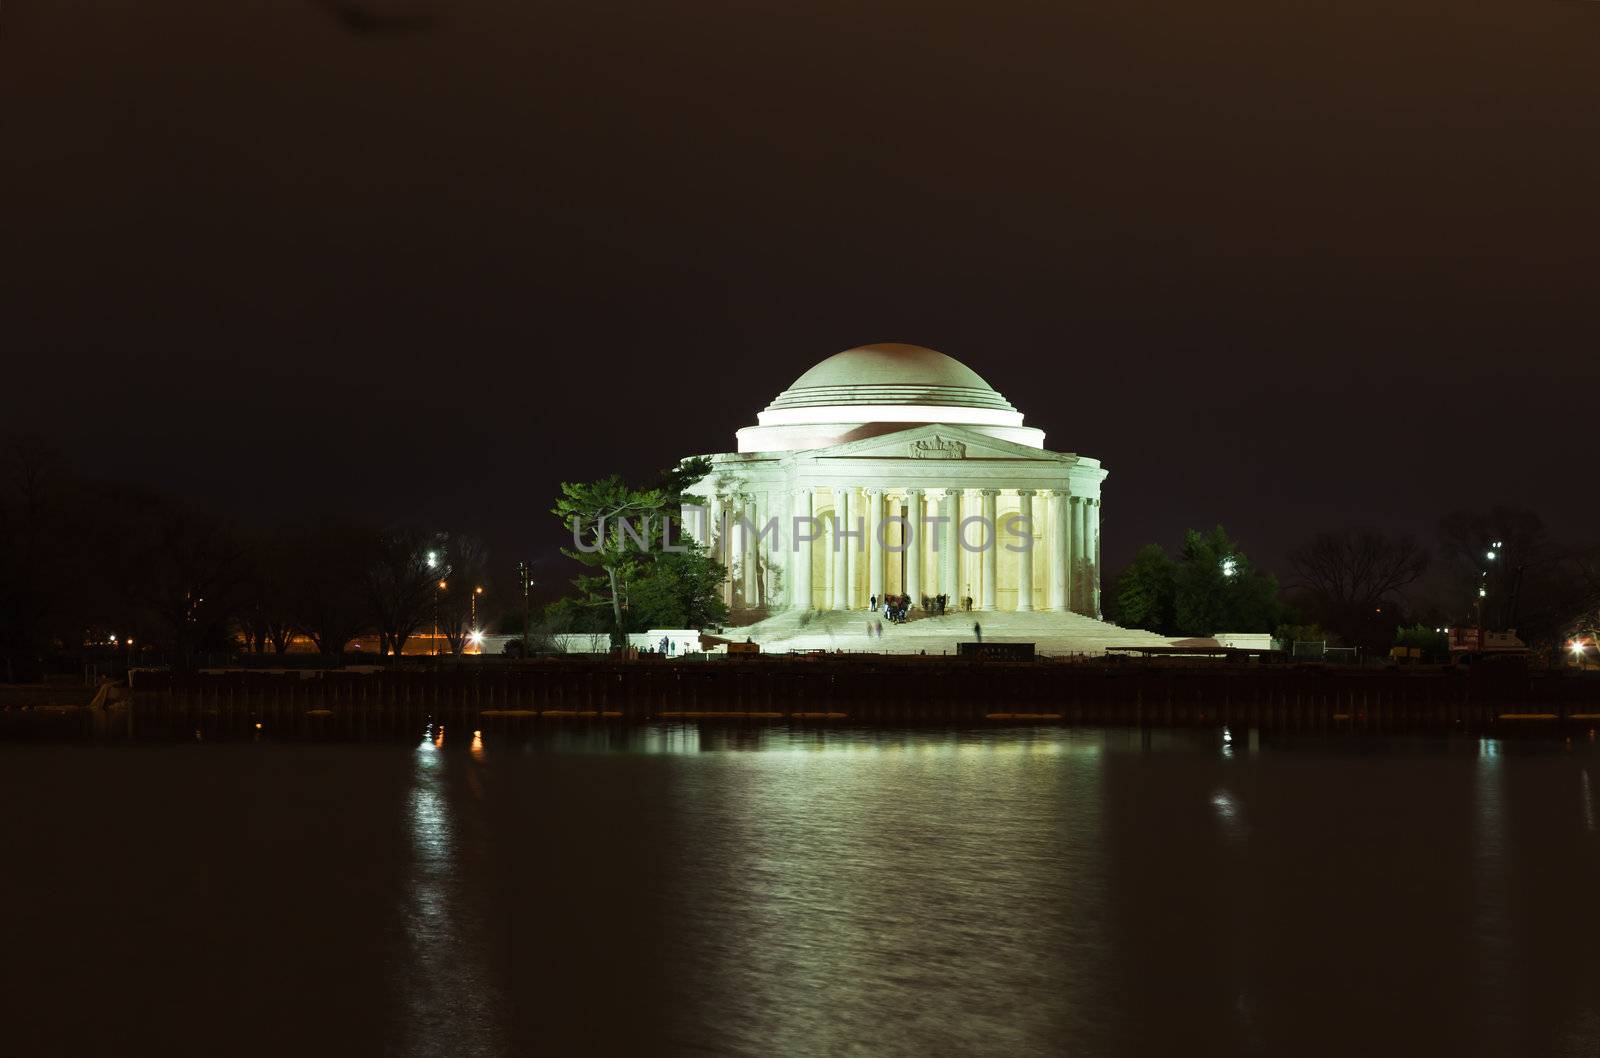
x=684 y=889
x=446 y=945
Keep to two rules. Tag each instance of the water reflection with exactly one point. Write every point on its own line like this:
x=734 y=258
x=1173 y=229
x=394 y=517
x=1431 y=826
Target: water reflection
x=1492 y=926
x=607 y=889
x=893 y=891
x=446 y=965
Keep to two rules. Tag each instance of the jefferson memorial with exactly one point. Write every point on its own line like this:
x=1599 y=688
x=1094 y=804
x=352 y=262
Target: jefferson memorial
x=919 y=480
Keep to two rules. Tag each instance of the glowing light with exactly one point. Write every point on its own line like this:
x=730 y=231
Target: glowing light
x=1230 y=567
x=1577 y=647
x=1489 y=555
x=433 y=559
x=476 y=638
x=1482 y=592
x=258 y=725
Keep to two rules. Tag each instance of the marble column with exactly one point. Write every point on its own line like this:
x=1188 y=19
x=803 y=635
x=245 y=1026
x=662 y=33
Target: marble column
x=800 y=551
x=950 y=578
x=913 y=546
x=777 y=587
x=749 y=526
x=852 y=553
x=719 y=546
x=839 y=551
x=1060 y=548
x=1094 y=559
x=738 y=550
x=991 y=564
x=1080 y=534
x=874 y=522
x=1025 y=556
x=767 y=553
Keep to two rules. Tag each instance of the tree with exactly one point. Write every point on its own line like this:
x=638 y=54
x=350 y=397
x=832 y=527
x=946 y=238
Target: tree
x=463 y=564
x=401 y=586
x=1532 y=584
x=600 y=516
x=1144 y=594
x=266 y=614
x=678 y=590
x=646 y=580
x=330 y=592
x=38 y=534
x=181 y=569
x=1351 y=581
x=1217 y=590
x=1434 y=644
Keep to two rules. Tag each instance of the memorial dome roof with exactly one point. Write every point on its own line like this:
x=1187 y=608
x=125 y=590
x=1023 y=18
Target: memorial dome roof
x=894 y=374
x=878 y=389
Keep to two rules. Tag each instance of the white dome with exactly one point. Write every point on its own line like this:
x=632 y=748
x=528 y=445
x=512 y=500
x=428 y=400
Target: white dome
x=878 y=389
x=891 y=373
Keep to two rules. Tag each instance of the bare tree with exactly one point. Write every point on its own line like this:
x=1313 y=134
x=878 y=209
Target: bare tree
x=265 y=614
x=401 y=584
x=183 y=567
x=328 y=575
x=466 y=558
x=1350 y=579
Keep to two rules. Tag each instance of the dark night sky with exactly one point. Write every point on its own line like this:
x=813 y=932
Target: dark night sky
x=1282 y=265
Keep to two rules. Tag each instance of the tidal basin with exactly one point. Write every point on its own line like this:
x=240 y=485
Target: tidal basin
x=688 y=889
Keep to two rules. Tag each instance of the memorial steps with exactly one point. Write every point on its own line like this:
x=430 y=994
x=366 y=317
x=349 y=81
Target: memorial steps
x=1051 y=633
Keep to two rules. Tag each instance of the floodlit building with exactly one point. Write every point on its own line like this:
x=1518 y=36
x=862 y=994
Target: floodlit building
x=897 y=470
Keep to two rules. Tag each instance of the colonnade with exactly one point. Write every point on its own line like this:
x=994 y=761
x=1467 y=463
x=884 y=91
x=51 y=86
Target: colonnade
x=836 y=547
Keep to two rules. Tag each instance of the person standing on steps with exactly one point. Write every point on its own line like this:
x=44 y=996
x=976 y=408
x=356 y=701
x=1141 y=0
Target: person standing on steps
x=977 y=632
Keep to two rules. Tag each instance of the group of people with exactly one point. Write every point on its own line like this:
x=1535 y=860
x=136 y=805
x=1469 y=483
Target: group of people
x=895 y=609
x=939 y=604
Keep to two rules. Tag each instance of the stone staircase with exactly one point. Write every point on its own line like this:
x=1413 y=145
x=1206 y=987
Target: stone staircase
x=846 y=630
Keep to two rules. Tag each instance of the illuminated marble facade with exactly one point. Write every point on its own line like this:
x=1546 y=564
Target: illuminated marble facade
x=897 y=436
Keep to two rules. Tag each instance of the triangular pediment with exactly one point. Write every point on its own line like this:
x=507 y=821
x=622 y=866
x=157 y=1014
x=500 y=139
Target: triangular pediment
x=933 y=441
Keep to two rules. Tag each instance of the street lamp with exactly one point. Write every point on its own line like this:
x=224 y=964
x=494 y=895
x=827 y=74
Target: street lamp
x=443 y=584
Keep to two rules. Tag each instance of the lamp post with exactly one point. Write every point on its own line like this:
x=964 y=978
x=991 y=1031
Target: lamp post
x=443 y=584
x=525 y=574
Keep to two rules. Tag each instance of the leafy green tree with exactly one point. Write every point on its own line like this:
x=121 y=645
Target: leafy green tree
x=1217 y=589
x=608 y=522
x=645 y=578
x=1145 y=594
x=678 y=590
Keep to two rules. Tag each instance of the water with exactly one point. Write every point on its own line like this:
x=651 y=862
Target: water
x=671 y=890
